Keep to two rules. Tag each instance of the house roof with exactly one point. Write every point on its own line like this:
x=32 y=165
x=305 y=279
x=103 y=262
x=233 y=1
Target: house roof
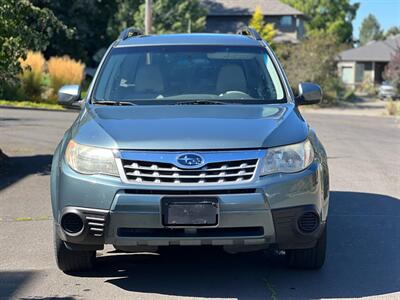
x=380 y=51
x=247 y=7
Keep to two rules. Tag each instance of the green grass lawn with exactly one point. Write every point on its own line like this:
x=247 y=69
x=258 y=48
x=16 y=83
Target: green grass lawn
x=31 y=104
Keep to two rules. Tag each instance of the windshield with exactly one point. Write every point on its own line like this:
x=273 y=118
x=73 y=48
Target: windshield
x=202 y=73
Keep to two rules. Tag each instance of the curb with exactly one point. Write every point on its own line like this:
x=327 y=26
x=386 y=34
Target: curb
x=39 y=108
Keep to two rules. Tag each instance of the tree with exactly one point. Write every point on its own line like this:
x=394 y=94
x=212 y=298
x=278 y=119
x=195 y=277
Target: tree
x=394 y=30
x=23 y=26
x=89 y=20
x=267 y=31
x=317 y=57
x=123 y=17
x=370 y=30
x=174 y=16
x=327 y=16
x=392 y=71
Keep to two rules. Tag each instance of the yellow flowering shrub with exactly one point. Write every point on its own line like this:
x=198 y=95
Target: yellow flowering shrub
x=33 y=68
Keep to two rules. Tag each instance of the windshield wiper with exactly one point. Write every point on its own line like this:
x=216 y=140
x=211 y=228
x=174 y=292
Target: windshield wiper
x=201 y=102
x=110 y=102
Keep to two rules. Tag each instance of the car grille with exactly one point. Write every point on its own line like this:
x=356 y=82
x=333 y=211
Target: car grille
x=216 y=172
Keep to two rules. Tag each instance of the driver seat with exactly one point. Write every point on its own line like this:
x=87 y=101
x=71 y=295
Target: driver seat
x=231 y=78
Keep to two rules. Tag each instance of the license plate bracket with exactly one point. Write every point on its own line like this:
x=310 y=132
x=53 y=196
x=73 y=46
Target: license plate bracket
x=189 y=211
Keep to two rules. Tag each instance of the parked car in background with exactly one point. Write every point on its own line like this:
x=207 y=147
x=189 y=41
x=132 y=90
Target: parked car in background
x=387 y=90
x=190 y=140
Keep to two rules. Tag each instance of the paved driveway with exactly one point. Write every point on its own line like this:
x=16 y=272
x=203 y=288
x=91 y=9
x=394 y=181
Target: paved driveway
x=364 y=227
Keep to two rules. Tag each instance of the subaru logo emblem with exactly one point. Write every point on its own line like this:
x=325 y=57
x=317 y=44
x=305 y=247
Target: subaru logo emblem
x=190 y=160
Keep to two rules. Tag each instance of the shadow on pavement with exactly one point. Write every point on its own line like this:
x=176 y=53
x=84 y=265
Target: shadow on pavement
x=12 y=281
x=9 y=119
x=18 y=167
x=12 y=122
x=362 y=261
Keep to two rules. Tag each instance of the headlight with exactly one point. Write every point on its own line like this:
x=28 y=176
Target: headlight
x=90 y=160
x=288 y=159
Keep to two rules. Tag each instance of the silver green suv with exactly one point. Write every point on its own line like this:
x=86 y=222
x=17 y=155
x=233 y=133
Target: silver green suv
x=190 y=140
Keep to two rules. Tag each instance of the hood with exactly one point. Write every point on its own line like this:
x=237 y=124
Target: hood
x=190 y=127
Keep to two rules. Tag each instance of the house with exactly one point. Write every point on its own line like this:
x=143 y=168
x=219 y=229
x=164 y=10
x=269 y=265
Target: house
x=367 y=63
x=228 y=16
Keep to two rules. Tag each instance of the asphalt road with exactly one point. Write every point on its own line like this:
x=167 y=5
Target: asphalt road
x=364 y=227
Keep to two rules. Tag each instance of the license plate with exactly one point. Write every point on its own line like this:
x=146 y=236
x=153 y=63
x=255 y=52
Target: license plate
x=190 y=211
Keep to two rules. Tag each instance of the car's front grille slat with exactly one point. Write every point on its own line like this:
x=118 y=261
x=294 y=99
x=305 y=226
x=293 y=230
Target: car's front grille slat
x=216 y=172
x=156 y=169
x=178 y=176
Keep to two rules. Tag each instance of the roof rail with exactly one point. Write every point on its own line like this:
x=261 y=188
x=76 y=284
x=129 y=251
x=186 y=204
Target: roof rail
x=130 y=32
x=251 y=32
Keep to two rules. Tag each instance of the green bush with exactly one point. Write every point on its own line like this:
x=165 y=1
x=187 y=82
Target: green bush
x=314 y=60
x=334 y=90
x=22 y=26
x=349 y=95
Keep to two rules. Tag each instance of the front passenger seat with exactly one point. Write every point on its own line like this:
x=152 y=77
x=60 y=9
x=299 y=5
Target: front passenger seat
x=231 y=78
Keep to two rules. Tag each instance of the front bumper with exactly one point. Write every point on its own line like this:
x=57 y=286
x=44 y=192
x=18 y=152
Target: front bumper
x=260 y=213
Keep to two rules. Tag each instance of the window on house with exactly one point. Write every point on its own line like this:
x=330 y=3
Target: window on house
x=286 y=21
x=347 y=75
x=360 y=72
x=368 y=66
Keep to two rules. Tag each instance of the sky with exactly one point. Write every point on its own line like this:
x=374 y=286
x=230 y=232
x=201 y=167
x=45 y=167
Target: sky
x=386 y=11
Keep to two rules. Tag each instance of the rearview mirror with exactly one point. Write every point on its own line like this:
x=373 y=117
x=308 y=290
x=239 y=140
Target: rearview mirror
x=68 y=94
x=309 y=93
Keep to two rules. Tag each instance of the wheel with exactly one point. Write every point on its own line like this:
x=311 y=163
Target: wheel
x=72 y=261
x=312 y=258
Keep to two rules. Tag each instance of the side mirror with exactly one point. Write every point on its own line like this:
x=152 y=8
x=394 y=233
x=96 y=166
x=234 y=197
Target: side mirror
x=68 y=94
x=309 y=93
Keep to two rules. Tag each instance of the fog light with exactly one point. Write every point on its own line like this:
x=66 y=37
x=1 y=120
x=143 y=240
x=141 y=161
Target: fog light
x=308 y=222
x=72 y=223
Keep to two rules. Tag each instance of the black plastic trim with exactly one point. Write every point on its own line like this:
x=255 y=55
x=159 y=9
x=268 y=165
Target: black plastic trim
x=198 y=233
x=288 y=235
x=95 y=223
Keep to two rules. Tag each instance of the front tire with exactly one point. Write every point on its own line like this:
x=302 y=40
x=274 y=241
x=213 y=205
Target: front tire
x=310 y=259
x=72 y=261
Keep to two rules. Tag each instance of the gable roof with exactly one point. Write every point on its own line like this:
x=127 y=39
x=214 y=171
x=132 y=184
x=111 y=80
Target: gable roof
x=247 y=7
x=380 y=51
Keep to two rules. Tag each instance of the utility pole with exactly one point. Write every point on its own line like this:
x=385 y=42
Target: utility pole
x=148 y=19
